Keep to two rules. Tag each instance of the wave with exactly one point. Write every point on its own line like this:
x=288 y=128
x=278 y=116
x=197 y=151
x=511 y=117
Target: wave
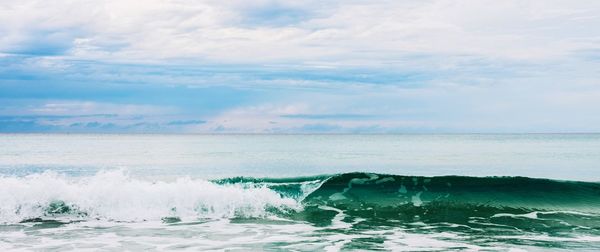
x=383 y=199
x=503 y=192
x=474 y=202
x=115 y=196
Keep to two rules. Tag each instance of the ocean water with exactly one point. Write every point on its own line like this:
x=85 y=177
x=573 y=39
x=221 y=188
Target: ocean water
x=508 y=192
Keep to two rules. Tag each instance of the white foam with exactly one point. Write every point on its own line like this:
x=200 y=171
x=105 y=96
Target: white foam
x=402 y=189
x=356 y=181
x=337 y=221
x=416 y=199
x=113 y=195
x=384 y=180
x=532 y=215
x=337 y=196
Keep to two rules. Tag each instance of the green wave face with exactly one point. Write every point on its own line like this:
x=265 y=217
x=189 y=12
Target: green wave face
x=379 y=191
x=500 y=205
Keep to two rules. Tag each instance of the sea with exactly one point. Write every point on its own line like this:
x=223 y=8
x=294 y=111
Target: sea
x=403 y=192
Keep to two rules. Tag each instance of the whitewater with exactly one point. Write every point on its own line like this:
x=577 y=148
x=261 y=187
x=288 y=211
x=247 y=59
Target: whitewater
x=300 y=192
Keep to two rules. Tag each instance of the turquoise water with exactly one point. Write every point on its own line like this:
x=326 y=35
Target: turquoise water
x=300 y=192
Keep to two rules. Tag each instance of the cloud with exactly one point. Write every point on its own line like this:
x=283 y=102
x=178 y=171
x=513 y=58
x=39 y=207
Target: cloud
x=329 y=32
x=92 y=124
x=52 y=117
x=330 y=116
x=273 y=13
x=87 y=116
x=84 y=108
x=289 y=66
x=188 y=122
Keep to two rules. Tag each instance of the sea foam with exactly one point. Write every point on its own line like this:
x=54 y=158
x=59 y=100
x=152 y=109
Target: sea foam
x=115 y=196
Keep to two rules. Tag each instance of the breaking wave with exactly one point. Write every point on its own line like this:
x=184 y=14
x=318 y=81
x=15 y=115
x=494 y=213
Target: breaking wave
x=473 y=202
x=115 y=196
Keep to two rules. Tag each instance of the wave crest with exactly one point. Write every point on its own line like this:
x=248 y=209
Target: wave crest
x=115 y=196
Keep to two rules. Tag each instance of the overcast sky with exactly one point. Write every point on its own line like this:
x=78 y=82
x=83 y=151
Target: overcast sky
x=344 y=66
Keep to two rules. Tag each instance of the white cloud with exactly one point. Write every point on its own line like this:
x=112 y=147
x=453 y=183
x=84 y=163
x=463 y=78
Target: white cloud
x=470 y=64
x=359 y=32
x=255 y=119
x=73 y=108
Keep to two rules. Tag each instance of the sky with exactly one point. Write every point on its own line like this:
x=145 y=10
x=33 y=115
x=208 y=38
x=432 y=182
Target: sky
x=326 y=66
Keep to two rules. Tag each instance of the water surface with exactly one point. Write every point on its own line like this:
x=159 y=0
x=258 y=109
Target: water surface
x=300 y=192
